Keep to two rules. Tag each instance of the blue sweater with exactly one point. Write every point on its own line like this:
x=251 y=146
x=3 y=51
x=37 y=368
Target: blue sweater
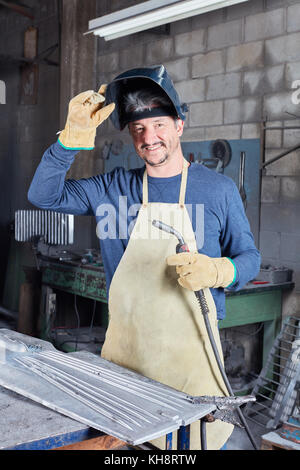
x=210 y=197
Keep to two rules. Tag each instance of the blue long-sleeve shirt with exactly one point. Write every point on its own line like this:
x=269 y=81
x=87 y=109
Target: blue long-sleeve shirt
x=213 y=202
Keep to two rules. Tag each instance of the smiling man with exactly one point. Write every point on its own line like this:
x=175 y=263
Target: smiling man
x=155 y=324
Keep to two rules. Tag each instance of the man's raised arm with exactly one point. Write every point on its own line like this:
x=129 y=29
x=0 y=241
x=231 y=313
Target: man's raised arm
x=48 y=189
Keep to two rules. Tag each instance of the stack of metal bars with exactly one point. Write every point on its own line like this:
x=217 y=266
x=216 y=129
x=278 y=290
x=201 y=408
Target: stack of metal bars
x=55 y=228
x=275 y=388
x=96 y=392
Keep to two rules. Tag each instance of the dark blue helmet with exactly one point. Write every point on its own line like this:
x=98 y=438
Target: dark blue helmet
x=137 y=79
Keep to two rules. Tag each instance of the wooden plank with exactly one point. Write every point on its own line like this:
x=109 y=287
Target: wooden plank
x=272 y=441
x=98 y=443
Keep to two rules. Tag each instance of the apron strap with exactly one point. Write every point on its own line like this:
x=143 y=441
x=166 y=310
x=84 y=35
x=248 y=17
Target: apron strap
x=182 y=185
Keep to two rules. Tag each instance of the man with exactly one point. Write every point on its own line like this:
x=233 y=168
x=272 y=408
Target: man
x=155 y=323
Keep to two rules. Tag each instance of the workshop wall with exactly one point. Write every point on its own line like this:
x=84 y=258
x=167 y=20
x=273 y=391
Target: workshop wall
x=26 y=129
x=236 y=67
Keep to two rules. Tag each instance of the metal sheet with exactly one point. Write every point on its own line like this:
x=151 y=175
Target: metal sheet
x=94 y=391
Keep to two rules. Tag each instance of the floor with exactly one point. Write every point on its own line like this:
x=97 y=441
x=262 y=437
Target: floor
x=239 y=439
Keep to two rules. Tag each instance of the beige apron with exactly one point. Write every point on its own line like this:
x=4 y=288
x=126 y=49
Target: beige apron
x=155 y=326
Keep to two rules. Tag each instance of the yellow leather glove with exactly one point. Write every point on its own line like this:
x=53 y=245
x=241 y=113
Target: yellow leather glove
x=197 y=271
x=86 y=113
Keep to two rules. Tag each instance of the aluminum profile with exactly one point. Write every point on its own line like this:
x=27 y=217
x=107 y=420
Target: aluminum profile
x=54 y=227
x=94 y=391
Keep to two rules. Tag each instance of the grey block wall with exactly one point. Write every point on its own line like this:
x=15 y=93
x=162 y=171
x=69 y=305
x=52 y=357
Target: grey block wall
x=236 y=68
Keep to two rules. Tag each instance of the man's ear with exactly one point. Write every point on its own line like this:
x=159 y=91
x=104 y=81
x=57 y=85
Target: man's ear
x=179 y=126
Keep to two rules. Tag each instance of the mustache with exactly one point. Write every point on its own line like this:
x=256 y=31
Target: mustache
x=150 y=145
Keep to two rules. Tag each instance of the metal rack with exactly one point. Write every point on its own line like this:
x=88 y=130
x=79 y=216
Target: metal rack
x=276 y=387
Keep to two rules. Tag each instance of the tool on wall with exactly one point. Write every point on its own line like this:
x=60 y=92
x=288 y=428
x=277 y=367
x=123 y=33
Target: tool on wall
x=181 y=248
x=242 y=179
x=220 y=150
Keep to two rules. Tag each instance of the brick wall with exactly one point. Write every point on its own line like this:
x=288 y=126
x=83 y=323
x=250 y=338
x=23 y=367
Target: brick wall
x=235 y=67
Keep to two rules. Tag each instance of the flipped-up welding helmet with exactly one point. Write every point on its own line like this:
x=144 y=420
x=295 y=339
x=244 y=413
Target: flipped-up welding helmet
x=136 y=79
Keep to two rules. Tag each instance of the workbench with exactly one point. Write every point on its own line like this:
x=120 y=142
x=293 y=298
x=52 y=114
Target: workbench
x=252 y=304
x=27 y=425
x=255 y=304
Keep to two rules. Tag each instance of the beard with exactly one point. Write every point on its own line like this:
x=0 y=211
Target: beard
x=162 y=160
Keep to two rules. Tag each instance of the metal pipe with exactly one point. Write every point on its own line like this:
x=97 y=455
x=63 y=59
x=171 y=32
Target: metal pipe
x=203 y=434
x=9 y=313
x=283 y=154
x=183 y=438
x=169 y=440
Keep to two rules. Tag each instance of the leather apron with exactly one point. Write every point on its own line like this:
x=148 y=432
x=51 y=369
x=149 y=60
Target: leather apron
x=155 y=326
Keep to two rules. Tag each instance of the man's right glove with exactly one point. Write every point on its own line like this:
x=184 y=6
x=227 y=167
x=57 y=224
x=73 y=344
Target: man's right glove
x=86 y=113
x=197 y=271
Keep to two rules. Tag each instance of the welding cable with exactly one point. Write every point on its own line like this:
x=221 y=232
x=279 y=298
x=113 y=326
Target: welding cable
x=183 y=247
x=220 y=364
x=93 y=317
x=78 y=321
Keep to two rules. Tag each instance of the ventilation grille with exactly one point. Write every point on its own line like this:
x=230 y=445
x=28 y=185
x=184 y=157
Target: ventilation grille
x=55 y=228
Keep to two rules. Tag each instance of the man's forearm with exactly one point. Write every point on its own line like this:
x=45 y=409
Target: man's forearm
x=47 y=186
x=247 y=266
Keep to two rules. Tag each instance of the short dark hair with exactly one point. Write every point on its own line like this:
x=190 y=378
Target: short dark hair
x=146 y=102
x=141 y=100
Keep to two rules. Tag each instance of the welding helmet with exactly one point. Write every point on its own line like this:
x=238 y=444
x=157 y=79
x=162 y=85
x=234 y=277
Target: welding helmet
x=155 y=77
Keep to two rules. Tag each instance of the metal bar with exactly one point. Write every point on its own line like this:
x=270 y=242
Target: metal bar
x=127 y=13
x=109 y=396
x=111 y=376
x=283 y=154
x=169 y=441
x=74 y=394
x=264 y=407
x=263 y=396
x=203 y=434
x=281 y=127
x=183 y=438
x=102 y=396
x=25 y=11
x=257 y=412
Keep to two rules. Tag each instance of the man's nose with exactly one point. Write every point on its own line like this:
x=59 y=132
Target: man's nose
x=149 y=136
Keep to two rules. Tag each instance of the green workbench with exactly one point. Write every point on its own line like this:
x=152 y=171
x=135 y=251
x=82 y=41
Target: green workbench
x=256 y=304
x=252 y=304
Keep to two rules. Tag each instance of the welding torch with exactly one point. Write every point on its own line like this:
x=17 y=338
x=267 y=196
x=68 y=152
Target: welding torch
x=182 y=247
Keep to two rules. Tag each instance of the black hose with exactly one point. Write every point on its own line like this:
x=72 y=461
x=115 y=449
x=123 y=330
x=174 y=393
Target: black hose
x=204 y=307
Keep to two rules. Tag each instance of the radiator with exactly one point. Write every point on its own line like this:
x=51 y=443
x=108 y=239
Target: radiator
x=55 y=228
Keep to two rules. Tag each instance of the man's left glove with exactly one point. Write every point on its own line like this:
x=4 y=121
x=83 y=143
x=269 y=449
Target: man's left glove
x=86 y=113
x=197 y=271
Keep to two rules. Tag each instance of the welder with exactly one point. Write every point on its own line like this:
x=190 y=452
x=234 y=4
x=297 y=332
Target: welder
x=155 y=327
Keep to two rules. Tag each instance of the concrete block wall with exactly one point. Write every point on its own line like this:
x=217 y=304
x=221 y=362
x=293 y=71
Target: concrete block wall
x=236 y=68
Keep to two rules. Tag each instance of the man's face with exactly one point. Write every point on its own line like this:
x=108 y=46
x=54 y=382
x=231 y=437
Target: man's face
x=157 y=140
